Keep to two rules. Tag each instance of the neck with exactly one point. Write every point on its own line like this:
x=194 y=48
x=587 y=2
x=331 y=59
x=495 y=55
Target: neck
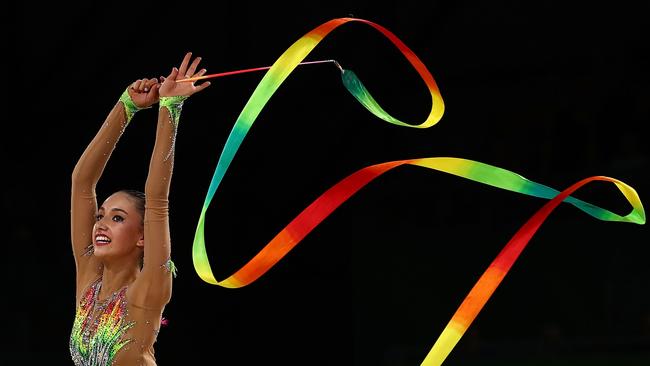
x=117 y=275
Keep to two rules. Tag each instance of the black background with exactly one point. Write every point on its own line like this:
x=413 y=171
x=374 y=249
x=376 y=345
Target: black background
x=554 y=92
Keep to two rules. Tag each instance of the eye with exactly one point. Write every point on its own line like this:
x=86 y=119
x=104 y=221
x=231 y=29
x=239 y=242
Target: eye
x=118 y=218
x=98 y=217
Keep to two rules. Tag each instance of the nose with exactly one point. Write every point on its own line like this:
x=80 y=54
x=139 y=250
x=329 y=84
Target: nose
x=100 y=224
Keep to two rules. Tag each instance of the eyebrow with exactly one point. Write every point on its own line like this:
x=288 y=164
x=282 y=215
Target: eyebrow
x=113 y=209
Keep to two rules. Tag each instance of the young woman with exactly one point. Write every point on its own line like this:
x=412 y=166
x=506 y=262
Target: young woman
x=122 y=249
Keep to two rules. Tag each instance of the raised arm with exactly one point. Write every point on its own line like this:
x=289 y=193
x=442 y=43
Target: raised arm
x=140 y=94
x=153 y=286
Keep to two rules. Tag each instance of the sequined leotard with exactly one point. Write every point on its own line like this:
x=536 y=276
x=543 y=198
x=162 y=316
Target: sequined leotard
x=122 y=328
x=99 y=327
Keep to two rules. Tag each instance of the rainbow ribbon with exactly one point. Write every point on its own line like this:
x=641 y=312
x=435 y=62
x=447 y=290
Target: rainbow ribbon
x=325 y=204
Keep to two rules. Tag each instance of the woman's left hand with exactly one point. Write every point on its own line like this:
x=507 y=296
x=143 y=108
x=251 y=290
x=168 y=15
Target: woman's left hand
x=171 y=88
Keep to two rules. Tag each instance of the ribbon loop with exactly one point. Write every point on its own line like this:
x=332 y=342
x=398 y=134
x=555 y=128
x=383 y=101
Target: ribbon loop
x=331 y=199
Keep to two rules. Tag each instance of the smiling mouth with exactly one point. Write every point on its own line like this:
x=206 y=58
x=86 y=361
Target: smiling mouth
x=102 y=240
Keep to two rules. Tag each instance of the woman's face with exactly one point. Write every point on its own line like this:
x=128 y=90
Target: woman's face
x=118 y=228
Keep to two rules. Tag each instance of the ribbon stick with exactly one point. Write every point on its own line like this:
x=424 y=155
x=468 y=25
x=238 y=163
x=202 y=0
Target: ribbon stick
x=227 y=73
x=331 y=199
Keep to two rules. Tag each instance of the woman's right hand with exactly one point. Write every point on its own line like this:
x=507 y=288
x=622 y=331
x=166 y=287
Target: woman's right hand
x=144 y=92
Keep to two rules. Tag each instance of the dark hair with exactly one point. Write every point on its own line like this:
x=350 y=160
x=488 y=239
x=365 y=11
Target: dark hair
x=138 y=199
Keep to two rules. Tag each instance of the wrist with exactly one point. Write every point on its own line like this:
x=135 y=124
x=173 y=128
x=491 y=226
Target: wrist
x=174 y=106
x=130 y=108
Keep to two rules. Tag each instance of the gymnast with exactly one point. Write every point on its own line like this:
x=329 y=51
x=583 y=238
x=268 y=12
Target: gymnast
x=122 y=249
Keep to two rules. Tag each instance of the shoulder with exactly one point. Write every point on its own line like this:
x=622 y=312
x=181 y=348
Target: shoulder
x=150 y=292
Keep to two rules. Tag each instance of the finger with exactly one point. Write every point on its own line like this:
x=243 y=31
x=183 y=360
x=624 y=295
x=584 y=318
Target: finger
x=202 y=86
x=173 y=74
x=190 y=72
x=149 y=83
x=170 y=74
x=200 y=73
x=137 y=86
x=186 y=60
x=155 y=90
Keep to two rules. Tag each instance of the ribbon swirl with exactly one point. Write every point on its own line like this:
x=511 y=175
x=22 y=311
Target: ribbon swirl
x=331 y=199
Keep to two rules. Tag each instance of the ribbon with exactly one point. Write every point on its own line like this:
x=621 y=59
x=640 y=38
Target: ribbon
x=331 y=199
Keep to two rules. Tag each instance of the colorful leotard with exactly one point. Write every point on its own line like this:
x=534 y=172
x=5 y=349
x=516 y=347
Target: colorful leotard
x=99 y=327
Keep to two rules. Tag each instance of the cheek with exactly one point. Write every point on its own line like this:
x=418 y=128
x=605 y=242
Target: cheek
x=129 y=231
